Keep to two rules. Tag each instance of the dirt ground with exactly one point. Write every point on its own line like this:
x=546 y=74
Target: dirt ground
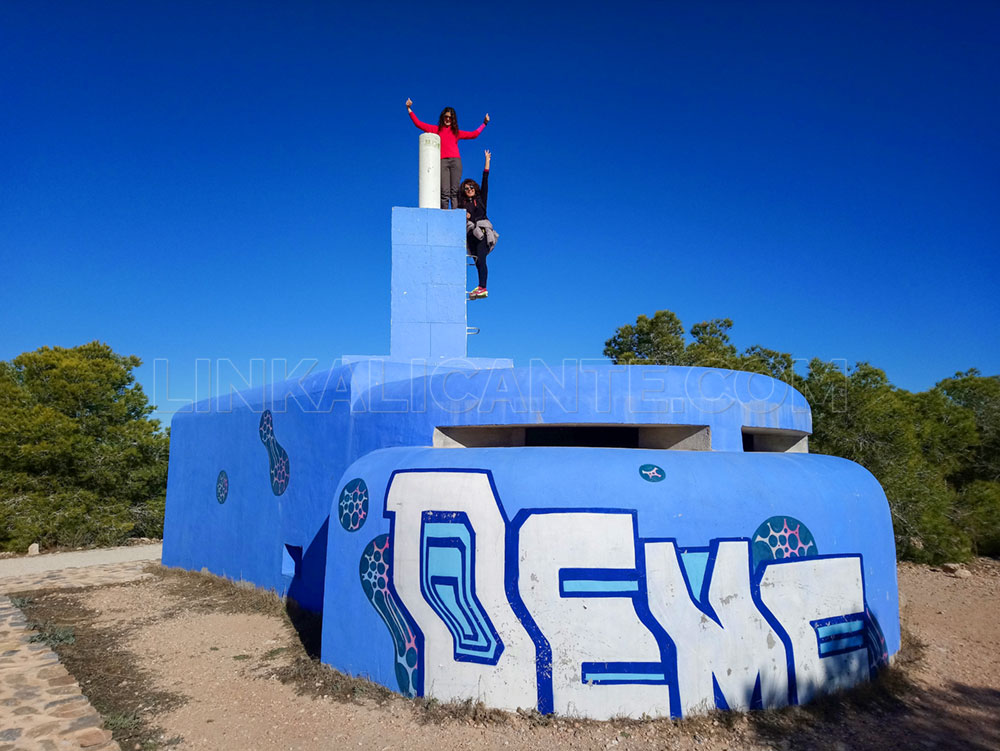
x=191 y=662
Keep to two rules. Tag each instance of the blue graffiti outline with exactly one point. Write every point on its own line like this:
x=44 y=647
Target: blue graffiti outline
x=757 y=698
x=640 y=603
x=451 y=583
x=655 y=670
x=719 y=697
x=686 y=570
x=607 y=575
x=705 y=606
x=878 y=657
x=543 y=652
x=841 y=640
x=793 y=695
x=458 y=517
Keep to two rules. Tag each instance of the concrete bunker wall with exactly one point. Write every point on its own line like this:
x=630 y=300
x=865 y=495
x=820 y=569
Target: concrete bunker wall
x=610 y=582
x=252 y=476
x=704 y=561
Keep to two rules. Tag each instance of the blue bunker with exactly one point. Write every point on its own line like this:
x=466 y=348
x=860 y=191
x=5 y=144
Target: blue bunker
x=588 y=539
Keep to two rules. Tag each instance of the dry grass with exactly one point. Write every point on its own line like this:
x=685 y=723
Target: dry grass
x=207 y=593
x=469 y=711
x=118 y=686
x=109 y=674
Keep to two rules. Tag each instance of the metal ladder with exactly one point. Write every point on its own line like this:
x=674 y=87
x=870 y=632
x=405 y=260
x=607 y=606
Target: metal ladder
x=470 y=330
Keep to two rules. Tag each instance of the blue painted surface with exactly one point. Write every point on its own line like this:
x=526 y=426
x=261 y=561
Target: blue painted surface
x=329 y=419
x=843 y=627
x=694 y=562
x=711 y=495
x=427 y=298
x=603 y=394
x=605 y=672
x=448 y=565
x=595 y=587
x=372 y=417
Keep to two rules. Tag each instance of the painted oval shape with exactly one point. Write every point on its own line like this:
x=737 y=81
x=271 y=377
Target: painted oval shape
x=222 y=487
x=352 y=510
x=781 y=537
x=652 y=473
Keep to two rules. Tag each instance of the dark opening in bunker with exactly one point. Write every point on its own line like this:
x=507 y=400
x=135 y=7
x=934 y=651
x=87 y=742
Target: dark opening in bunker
x=603 y=436
x=678 y=437
x=291 y=560
x=775 y=440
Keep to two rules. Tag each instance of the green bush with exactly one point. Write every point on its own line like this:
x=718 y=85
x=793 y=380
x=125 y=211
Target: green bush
x=936 y=453
x=81 y=463
x=979 y=516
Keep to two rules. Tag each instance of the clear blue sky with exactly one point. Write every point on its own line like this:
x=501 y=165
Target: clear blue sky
x=191 y=180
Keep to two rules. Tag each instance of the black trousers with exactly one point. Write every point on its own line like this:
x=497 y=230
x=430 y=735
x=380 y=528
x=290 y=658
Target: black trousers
x=479 y=249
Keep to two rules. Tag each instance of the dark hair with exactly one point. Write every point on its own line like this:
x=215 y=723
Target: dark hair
x=463 y=200
x=454 y=119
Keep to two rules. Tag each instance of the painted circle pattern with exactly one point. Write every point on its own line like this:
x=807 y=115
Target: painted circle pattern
x=782 y=537
x=352 y=510
x=222 y=487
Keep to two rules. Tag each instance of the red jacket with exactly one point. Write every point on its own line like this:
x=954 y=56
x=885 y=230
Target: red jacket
x=449 y=144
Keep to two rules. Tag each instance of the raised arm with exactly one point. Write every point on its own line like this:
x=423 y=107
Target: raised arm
x=423 y=126
x=486 y=177
x=474 y=133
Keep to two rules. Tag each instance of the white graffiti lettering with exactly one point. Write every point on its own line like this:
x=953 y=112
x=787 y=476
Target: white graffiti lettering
x=599 y=645
x=570 y=611
x=734 y=650
x=511 y=682
x=806 y=590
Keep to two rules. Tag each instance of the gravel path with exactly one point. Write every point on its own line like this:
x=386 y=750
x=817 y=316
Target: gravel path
x=36 y=564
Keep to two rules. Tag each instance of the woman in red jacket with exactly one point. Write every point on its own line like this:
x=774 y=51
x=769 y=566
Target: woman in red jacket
x=451 y=160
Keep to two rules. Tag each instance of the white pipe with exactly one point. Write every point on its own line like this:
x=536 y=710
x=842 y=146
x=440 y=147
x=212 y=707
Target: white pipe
x=429 y=190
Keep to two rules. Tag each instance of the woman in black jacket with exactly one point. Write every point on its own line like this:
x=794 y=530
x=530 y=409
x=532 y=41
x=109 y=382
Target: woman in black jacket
x=480 y=235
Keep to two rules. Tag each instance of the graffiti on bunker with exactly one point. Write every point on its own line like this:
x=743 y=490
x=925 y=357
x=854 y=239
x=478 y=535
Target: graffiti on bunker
x=222 y=487
x=376 y=581
x=652 y=473
x=277 y=457
x=571 y=611
x=782 y=537
x=352 y=508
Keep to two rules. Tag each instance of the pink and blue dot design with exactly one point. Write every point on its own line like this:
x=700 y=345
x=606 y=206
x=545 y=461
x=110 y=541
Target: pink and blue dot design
x=782 y=537
x=352 y=510
x=376 y=572
x=222 y=487
x=277 y=457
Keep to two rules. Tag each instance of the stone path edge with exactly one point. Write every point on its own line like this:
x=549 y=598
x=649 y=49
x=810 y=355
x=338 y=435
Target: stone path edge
x=41 y=704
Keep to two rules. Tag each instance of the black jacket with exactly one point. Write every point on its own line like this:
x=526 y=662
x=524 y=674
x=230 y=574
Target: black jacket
x=477 y=206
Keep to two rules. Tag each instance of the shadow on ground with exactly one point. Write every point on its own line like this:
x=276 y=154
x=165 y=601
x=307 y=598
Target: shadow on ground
x=891 y=714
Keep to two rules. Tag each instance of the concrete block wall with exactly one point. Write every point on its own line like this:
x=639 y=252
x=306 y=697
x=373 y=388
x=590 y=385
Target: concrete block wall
x=428 y=295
